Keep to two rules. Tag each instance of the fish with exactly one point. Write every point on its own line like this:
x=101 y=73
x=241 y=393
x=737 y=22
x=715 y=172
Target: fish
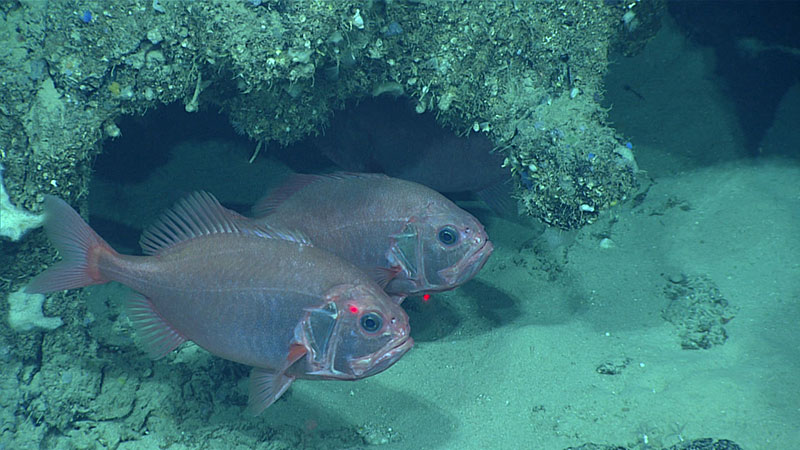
x=255 y=295
x=409 y=238
x=385 y=135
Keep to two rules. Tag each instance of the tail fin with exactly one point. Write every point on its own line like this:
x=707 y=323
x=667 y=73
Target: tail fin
x=79 y=246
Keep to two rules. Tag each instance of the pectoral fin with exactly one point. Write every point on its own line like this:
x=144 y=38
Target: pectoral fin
x=383 y=275
x=267 y=386
x=499 y=198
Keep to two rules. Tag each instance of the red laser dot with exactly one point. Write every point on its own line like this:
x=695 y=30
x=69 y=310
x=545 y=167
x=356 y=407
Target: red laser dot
x=426 y=297
x=353 y=309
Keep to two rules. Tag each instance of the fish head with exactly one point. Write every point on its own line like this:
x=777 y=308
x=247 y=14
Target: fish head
x=358 y=332
x=437 y=252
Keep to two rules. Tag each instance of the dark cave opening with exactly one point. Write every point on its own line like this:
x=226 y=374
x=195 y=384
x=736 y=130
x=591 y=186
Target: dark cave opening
x=145 y=141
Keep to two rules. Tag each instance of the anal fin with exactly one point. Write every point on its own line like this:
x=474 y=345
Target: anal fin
x=157 y=337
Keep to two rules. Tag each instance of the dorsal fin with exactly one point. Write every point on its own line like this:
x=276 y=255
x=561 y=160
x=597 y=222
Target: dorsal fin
x=296 y=183
x=200 y=214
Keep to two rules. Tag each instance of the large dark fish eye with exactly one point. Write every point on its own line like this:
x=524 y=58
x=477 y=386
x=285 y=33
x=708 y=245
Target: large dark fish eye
x=371 y=322
x=448 y=235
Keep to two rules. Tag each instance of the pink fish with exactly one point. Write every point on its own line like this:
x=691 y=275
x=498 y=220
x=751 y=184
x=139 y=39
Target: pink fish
x=251 y=294
x=411 y=238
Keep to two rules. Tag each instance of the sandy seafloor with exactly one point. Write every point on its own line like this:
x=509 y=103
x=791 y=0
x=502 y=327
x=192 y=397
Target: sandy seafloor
x=509 y=360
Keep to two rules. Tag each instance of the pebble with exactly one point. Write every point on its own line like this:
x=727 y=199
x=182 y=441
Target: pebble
x=606 y=243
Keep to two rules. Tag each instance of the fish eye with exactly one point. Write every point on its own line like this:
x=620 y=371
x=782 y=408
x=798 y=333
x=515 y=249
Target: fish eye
x=371 y=322
x=448 y=235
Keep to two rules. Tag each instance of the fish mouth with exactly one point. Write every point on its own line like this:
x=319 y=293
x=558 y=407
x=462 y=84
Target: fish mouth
x=391 y=356
x=388 y=356
x=469 y=266
x=480 y=256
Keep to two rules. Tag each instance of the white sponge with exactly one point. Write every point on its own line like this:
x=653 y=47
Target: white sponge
x=14 y=222
x=25 y=312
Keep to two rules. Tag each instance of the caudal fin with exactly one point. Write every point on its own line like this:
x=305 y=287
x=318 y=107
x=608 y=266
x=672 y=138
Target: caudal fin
x=79 y=246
